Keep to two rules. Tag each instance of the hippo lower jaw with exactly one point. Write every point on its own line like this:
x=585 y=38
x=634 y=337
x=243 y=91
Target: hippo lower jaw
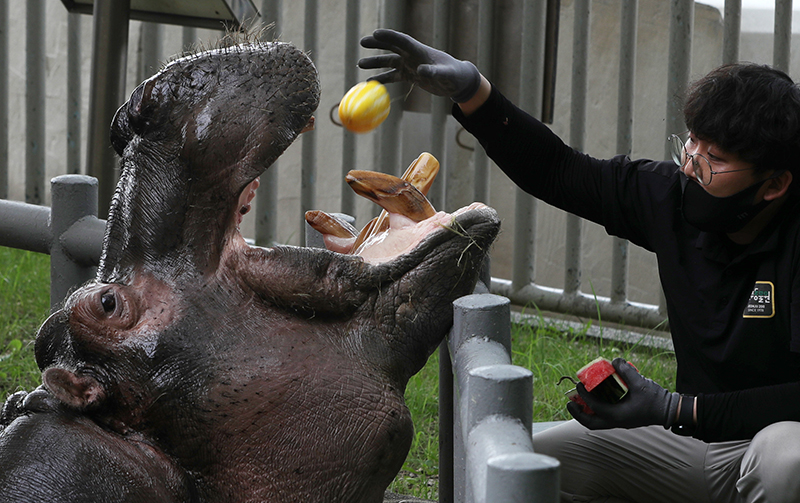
x=404 y=234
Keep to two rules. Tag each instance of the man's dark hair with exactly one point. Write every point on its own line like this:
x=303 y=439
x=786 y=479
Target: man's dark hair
x=749 y=110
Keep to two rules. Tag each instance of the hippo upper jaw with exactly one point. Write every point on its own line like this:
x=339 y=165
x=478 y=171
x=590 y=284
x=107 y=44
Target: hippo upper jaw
x=191 y=138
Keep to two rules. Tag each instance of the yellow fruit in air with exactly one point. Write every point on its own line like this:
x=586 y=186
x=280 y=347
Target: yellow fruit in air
x=364 y=106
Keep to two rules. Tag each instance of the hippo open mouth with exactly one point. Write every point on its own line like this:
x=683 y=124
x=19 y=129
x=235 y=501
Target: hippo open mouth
x=406 y=220
x=198 y=368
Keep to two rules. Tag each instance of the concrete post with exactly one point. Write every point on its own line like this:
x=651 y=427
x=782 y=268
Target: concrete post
x=74 y=198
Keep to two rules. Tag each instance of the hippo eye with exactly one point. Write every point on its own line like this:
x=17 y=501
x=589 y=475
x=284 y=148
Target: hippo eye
x=109 y=302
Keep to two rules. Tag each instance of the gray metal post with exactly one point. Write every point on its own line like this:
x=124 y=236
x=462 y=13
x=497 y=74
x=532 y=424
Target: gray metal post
x=4 y=99
x=484 y=314
x=34 y=101
x=351 y=77
x=388 y=135
x=511 y=476
x=446 y=422
x=266 y=207
x=580 y=63
x=188 y=38
x=731 y=31
x=489 y=388
x=627 y=67
x=74 y=198
x=149 y=50
x=680 y=59
x=440 y=107
x=308 y=162
x=109 y=57
x=488 y=317
x=73 y=93
x=530 y=99
x=783 y=35
x=480 y=161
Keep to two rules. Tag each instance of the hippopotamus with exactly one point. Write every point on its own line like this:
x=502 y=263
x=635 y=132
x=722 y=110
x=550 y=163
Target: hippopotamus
x=198 y=368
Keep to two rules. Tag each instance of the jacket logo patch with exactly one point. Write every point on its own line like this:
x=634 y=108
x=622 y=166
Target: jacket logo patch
x=762 y=301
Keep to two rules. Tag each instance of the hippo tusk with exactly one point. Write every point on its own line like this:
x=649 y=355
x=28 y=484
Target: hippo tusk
x=404 y=195
x=325 y=223
x=421 y=173
x=393 y=194
x=309 y=125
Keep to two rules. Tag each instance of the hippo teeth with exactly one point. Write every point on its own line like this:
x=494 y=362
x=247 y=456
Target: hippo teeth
x=407 y=213
x=393 y=194
x=328 y=224
x=403 y=196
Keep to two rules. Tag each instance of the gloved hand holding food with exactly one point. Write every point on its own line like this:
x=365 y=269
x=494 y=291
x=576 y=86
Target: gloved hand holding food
x=645 y=402
x=431 y=69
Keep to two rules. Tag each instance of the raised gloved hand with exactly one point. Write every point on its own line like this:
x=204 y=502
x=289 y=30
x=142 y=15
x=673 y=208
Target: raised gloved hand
x=434 y=71
x=645 y=404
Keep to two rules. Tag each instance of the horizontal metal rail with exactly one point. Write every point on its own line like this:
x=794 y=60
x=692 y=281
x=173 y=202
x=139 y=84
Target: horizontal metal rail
x=70 y=232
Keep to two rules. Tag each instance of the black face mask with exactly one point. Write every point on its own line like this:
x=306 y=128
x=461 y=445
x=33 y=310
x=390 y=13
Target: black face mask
x=718 y=214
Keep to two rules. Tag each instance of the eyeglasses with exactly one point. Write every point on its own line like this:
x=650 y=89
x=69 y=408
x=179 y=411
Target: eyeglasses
x=700 y=165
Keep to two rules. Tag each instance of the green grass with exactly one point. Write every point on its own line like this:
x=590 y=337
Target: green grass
x=547 y=349
x=24 y=305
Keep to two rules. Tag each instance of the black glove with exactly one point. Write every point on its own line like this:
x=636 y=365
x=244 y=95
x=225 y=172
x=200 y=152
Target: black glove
x=645 y=404
x=434 y=71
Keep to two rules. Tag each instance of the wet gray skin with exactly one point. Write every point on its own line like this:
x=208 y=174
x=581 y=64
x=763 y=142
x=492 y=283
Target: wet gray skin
x=197 y=368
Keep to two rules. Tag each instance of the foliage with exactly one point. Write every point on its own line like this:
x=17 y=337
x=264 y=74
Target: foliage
x=24 y=305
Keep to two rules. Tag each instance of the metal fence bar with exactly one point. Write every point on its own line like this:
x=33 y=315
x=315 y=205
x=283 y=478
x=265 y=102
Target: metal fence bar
x=732 y=26
x=387 y=147
x=34 y=101
x=440 y=105
x=581 y=304
x=188 y=38
x=440 y=110
x=308 y=162
x=150 y=43
x=680 y=58
x=25 y=226
x=4 y=181
x=480 y=161
x=783 y=35
x=266 y=206
x=495 y=408
x=73 y=93
x=109 y=63
x=351 y=77
x=530 y=99
x=577 y=136
x=627 y=66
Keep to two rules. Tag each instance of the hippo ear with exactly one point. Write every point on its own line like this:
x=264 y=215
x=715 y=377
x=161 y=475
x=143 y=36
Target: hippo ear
x=79 y=392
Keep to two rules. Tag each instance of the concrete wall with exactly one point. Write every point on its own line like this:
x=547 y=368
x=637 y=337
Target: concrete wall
x=650 y=106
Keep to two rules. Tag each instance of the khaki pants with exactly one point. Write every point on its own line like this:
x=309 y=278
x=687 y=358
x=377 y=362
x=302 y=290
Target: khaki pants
x=651 y=464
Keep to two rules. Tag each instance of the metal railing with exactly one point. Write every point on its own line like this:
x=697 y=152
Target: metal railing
x=493 y=457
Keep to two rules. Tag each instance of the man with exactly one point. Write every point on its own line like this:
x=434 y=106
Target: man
x=725 y=226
